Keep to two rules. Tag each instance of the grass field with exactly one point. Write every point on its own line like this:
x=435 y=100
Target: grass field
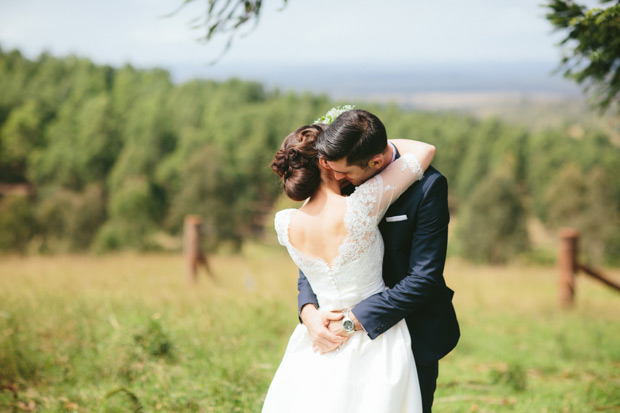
x=126 y=332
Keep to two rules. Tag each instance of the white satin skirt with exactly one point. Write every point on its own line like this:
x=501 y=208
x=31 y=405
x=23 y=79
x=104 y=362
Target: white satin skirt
x=364 y=375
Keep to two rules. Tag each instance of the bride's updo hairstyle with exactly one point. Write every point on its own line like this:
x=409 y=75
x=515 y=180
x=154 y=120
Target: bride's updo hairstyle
x=297 y=162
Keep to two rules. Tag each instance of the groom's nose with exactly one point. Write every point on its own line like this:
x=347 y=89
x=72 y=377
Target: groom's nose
x=339 y=176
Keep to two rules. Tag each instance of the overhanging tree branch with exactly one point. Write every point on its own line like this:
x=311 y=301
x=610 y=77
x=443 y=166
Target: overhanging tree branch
x=592 y=44
x=225 y=18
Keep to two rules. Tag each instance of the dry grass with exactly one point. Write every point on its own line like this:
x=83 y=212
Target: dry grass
x=84 y=333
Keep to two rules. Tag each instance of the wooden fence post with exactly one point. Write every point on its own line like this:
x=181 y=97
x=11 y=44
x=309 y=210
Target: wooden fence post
x=191 y=246
x=567 y=265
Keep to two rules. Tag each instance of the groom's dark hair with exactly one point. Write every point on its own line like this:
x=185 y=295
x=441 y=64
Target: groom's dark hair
x=356 y=135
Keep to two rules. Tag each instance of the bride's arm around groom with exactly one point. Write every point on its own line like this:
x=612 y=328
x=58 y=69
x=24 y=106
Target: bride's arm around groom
x=415 y=233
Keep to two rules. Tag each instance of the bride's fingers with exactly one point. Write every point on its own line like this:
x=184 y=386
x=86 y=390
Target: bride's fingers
x=330 y=348
x=330 y=337
x=323 y=345
x=334 y=315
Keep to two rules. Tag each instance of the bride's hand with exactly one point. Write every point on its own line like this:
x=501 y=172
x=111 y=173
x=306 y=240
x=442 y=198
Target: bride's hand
x=317 y=321
x=337 y=328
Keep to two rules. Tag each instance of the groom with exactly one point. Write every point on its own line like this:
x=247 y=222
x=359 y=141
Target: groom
x=415 y=233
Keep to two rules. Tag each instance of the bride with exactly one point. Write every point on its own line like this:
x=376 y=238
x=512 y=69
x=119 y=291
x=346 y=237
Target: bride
x=335 y=241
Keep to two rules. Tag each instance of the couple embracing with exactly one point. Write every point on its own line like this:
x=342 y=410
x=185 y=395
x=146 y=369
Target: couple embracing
x=376 y=312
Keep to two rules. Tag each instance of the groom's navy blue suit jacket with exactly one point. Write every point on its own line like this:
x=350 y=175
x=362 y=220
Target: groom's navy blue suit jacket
x=413 y=264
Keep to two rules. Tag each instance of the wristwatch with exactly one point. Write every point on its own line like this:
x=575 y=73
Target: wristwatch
x=347 y=323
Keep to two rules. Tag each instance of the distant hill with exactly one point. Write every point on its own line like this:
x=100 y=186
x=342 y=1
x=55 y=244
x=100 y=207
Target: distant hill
x=525 y=93
x=375 y=79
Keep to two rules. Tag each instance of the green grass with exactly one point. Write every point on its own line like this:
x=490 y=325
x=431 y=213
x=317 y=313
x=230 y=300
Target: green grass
x=127 y=333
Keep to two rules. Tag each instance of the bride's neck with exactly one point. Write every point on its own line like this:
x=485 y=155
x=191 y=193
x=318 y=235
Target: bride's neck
x=328 y=188
x=328 y=183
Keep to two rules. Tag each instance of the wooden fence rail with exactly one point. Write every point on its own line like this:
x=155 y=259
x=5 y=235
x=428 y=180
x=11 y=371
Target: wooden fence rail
x=568 y=267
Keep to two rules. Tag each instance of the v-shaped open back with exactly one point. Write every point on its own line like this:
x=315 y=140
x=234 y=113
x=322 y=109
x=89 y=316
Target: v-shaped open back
x=355 y=272
x=329 y=263
x=382 y=370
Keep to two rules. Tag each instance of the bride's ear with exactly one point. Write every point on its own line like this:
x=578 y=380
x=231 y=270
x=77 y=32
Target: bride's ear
x=323 y=164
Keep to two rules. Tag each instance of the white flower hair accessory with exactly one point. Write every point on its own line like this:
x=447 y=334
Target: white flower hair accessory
x=333 y=113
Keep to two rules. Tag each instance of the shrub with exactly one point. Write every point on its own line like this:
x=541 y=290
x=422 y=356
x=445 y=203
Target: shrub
x=493 y=223
x=17 y=224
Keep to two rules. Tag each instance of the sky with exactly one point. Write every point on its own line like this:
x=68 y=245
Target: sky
x=358 y=34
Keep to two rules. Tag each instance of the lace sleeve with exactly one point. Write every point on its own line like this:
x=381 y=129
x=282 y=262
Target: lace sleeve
x=376 y=195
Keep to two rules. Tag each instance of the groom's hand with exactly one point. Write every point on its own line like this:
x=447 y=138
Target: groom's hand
x=338 y=329
x=317 y=321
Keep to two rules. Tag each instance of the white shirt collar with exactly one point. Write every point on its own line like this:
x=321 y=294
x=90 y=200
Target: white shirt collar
x=393 y=152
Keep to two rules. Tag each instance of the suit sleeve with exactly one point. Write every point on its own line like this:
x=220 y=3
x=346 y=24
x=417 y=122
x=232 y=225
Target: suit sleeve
x=306 y=294
x=423 y=281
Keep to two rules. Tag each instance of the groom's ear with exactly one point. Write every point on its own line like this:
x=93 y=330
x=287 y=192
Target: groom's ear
x=376 y=162
x=324 y=163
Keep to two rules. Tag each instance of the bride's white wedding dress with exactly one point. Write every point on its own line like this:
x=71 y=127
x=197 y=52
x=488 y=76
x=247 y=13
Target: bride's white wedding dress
x=364 y=375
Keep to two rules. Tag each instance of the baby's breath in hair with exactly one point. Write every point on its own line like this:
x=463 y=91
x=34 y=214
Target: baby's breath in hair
x=333 y=113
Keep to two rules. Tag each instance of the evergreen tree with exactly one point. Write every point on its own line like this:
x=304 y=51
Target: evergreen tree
x=492 y=226
x=112 y=156
x=17 y=224
x=594 y=39
x=586 y=204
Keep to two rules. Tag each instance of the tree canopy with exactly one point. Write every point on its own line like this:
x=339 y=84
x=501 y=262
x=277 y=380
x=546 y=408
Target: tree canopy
x=114 y=158
x=592 y=47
